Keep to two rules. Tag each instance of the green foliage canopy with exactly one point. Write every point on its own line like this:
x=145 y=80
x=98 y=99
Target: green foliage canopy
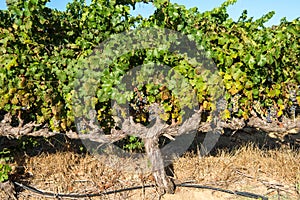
x=41 y=48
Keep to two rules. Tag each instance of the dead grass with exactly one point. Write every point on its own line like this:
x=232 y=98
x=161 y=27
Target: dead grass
x=72 y=173
x=272 y=173
x=249 y=169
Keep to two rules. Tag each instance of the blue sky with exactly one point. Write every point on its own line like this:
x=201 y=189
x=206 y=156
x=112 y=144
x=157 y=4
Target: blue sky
x=256 y=8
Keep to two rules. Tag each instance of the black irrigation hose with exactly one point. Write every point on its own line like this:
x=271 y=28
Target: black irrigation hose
x=58 y=195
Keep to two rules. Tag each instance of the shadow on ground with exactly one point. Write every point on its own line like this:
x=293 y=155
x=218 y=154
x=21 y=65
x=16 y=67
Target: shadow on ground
x=231 y=140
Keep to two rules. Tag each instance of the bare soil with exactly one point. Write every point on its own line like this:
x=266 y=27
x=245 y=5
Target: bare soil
x=260 y=163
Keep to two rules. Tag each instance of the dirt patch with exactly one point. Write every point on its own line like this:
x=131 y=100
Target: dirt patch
x=269 y=170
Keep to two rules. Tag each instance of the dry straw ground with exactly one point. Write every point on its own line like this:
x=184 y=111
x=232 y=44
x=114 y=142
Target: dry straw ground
x=272 y=172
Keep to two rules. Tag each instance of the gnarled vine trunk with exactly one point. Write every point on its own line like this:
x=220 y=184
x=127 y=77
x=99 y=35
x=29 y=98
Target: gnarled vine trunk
x=163 y=182
x=150 y=136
